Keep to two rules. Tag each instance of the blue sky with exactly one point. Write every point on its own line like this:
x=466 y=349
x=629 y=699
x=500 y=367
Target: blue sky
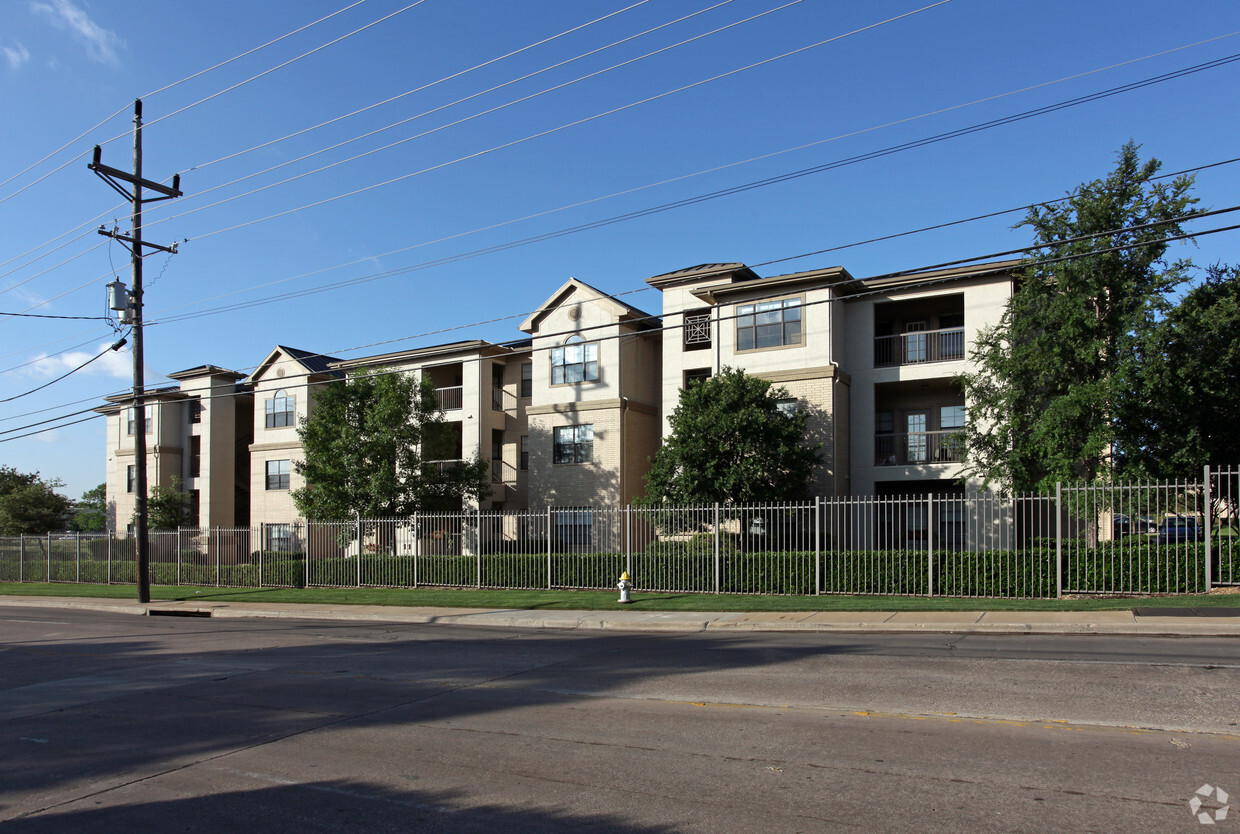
x=658 y=120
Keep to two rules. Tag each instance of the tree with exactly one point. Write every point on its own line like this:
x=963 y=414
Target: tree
x=170 y=507
x=731 y=442
x=29 y=504
x=369 y=446
x=1186 y=401
x=1052 y=380
x=90 y=513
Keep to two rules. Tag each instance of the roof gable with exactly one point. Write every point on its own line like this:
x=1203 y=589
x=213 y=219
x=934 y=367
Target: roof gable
x=573 y=288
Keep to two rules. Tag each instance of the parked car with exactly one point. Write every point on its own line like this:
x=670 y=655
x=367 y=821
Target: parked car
x=1178 y=530
x=1141 y=525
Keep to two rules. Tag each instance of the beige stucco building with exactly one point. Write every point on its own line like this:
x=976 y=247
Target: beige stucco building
x=570 y=413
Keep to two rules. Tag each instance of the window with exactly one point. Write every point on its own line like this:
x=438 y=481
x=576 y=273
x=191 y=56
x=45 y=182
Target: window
x=697 y=330
x=914 y=342
x=195 y=507
x=788 y=408
x=131 y=478
x=280 y=410
x=574 y=444
x=577 y=362
x=574 y=526
x=916 y=441
x=133 y=419
x=768 y=324
x=696 y=375
x=195 y=410
x=277 y=474
x=195 y=456
x=525 y=452
x=279 y=537
x=527 y=379
x=951 y=417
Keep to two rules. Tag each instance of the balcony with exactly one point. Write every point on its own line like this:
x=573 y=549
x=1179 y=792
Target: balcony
x=919 y=347
x=450 y=399
x=503 y=400
x=917 y=448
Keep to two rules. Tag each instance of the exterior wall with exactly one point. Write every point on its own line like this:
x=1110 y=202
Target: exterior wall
x=984 y=304
x=276 y=506
x=575 y=484
x=165 y=446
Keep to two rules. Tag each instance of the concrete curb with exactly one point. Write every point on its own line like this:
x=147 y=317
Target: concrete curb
x=1125 y=622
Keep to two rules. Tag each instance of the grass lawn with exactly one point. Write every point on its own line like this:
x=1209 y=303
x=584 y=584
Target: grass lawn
x=606 y=600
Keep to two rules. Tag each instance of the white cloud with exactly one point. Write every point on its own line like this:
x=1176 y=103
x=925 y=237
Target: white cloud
x=118 y=364
x=48 y=437
x=16 y=56
x=101 y=44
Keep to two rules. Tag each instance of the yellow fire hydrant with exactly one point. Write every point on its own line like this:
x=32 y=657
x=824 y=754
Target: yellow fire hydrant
x=625 y=585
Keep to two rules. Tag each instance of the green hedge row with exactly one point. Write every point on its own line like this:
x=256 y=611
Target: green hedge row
x=1024 y=573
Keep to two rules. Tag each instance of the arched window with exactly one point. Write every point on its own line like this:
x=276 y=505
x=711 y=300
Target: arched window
x=576 y=361
x=280 y=410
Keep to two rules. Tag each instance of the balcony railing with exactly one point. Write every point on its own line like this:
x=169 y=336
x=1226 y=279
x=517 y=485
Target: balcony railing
x=503 y=473
x=920 y=447
x=919 y=347
x=451 y=399
x=502 y=400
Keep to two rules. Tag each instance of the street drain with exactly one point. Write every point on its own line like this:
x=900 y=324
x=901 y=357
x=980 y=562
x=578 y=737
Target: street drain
x=176 y=612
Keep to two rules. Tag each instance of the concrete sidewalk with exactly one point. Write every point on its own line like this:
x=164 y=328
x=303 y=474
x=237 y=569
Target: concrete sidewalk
x=1220 y=622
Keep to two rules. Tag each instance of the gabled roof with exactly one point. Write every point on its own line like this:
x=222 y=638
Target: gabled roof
x=316 y=364
x=620 y=311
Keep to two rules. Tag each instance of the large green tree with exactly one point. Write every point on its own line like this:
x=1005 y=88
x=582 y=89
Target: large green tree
x=373 y=447
x=1184 y=409
x=170 y=507
x=29 y=504
x=731 y=441
x=1049 y=393
x=90 y=512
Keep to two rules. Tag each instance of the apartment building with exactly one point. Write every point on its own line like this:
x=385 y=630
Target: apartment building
x=198 y=436
x=570 y=413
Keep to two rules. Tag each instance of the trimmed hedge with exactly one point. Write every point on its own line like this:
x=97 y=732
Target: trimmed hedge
x=690 y=566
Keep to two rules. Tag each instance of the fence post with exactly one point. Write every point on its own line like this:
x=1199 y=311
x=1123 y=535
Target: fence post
x=216 y=532
x=478 y=547
x=417 y=546
x=1059 y=540
x=817 y=545
x=77 y=570
x=111 y=536
x=717 y=583
x=548 y=547
x=930 y=544
x=21 y=557
x=358 y=525
x=262 y=545
x=49 y=557
x=1206 y=518
x=628 y=540
x=180 y=549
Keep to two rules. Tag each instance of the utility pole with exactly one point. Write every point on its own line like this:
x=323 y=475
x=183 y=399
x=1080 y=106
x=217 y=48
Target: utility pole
x=134 y=242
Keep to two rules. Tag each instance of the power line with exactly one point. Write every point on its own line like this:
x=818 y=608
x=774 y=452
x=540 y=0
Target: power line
x=752 y=159
x=87 y=132
x=574 y=123
x=116 y=346
x=469 y=118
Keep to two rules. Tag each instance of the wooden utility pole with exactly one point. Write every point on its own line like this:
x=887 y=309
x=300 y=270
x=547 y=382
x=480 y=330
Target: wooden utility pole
x=134 y=242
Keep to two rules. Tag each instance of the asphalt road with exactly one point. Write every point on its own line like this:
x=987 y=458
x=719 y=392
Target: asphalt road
x=124 y=723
